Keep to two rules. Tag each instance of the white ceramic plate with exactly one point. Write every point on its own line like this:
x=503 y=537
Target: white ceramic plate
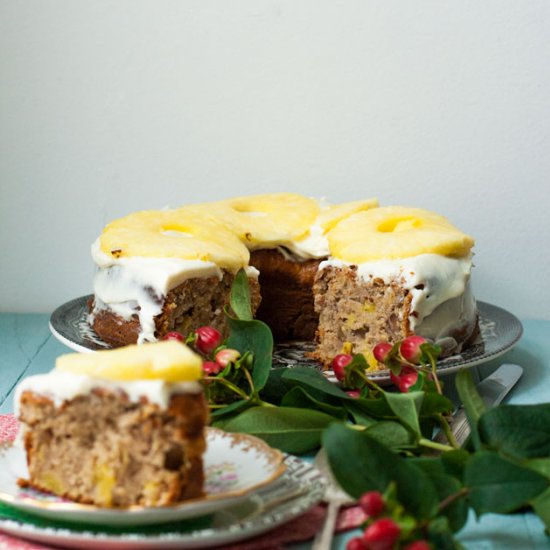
x=235 y=466
x=499 y=331
x=298 y=490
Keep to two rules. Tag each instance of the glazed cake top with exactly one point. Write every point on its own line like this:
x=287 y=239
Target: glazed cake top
x=223 y=232
x=146 y=254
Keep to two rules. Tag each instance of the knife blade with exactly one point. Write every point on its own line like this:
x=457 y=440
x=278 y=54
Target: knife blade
x=492 y=390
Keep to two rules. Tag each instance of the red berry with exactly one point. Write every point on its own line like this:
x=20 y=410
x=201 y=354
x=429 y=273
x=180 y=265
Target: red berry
x=173 y=336
x=207 y=339
x=210 y=368
x=356 y=543
x=406 y=378
x=372 y=503
x=226 y=356
x=382 y=534
x=381 y=351
x=354 y=393
x=418 y=545
x=410 y=348
x=339 y=363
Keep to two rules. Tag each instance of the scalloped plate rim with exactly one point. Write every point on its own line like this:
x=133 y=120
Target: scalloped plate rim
x=448 y=365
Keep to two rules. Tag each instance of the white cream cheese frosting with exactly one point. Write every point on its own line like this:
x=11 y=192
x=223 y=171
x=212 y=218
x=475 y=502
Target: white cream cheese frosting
x=439 y=285
x=313 y=246
x=138 y=285
x=64 y=386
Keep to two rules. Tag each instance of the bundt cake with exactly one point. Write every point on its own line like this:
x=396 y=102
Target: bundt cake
x=347 y=275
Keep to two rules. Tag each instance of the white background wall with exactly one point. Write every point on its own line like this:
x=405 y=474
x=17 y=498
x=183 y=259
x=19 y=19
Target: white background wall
x=109 y=107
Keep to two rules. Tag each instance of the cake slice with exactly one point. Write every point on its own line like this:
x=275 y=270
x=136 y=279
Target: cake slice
x=394 y=271
x=117 y=428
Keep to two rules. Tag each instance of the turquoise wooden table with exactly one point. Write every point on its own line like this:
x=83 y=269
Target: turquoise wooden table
x=27 y=347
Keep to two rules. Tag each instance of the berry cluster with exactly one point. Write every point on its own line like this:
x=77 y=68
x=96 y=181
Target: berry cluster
x=386 y=528
x=411 y=361
x=222 y=365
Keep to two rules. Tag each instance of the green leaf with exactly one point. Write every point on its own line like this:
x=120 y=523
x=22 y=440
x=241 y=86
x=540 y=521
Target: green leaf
x=377 y=407
x=292 y=430
x=500 y=486
x=392 y=434
x=239 y=298
x=360 y=463
x=232 y=408
x=358 y=414
x=521 y=431
x=275 y=387
x=435 y=403
x=540 y=465
x=446 y=486
x=473 y=404
x=440 y=535
x=300 y=398
x=455 y=462
x=311 y=377
x=406 y=407
x=541 y=503
x=255 y=337
x=541 y=507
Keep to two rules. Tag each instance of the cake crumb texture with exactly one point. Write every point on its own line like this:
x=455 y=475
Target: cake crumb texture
x=102 y=449
x=357 y=314
x=194 y=303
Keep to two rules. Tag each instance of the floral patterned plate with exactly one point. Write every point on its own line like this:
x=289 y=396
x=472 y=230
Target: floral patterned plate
x=236 y=465
x=300 y=488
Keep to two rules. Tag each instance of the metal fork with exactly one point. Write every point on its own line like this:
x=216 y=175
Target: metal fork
x=335 y=497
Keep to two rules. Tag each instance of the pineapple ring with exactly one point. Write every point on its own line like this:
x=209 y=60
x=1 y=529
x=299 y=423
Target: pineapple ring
x=173 y=234
x=396 y=232
x=330 y=216
x=262 y=220
x=169 y=361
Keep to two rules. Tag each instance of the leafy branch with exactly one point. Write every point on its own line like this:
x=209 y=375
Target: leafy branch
x=381 y=441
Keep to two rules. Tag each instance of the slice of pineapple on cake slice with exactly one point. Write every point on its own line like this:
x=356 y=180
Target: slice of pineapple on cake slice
x=396 y=232
x=169 y=361
x=261 y=221
x=331 y=215
x=170 y=234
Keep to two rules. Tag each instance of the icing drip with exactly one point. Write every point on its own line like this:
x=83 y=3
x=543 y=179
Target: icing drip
x=63 y=386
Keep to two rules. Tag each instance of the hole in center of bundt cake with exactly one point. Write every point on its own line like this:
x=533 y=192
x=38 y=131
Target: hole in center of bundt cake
x=394 y=225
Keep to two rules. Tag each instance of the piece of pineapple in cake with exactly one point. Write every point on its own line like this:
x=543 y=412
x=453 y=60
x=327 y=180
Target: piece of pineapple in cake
x=396 y=232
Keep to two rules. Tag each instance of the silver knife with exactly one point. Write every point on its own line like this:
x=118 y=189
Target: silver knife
x=492 y=390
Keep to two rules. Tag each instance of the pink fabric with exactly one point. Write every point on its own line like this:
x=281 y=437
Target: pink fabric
x=298 y=530
x=8 y=427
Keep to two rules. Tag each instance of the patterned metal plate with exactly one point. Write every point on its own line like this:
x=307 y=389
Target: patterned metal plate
x=499 y=331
